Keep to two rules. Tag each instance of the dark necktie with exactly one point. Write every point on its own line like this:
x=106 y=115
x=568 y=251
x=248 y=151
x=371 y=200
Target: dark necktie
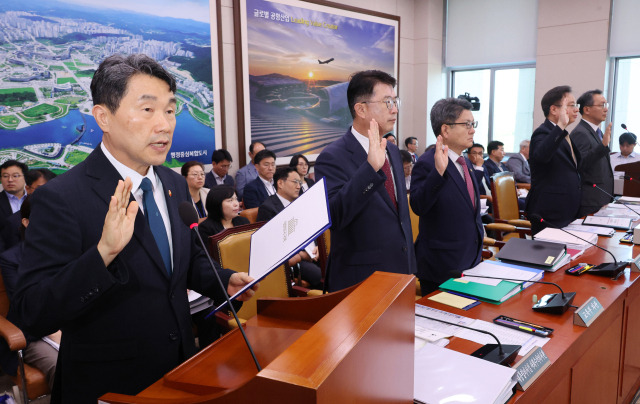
x=388 y=184
x=152 y=213
x=467 y=180
x=599 y=133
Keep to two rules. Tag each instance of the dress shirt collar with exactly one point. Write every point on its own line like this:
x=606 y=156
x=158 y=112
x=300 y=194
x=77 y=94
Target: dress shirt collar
x=631 y=155
x=362 y=139
x=284 y=201
x=125 y=171
x=268 y=185
x=454 y=157
x=594 y=127
x=16 y=202
x=219 y=179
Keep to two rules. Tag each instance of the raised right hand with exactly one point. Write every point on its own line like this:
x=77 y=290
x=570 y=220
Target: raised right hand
x=441 y=156
x=377 y=147
x=119 y=222
x=563 y=115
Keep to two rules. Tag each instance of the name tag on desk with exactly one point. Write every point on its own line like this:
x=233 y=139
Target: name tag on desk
x=588 y=312
x=529 y=368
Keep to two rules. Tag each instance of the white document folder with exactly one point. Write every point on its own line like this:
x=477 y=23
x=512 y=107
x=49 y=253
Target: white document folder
x=287 y=233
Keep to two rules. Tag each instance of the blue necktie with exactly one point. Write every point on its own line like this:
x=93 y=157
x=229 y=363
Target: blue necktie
x=599 y=133
x=152 y=213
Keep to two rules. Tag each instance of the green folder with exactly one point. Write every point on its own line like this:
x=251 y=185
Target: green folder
x=488 y=293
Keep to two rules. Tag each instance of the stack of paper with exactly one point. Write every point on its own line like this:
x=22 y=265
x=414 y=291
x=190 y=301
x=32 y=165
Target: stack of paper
x=197 y=302
x=559 y=236
x=445 y=376
x=599 y=230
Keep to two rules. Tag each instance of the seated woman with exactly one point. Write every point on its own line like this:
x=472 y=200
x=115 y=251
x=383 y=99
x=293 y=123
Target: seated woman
x=301 y=164
x=193 y=171
x=223 y=207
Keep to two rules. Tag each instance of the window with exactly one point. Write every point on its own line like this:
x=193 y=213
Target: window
x=506 y=103
x=625 y=102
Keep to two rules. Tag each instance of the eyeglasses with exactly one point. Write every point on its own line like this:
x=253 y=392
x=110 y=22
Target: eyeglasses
x=296 y=182
x=468 y=124
x=575 y=106
x=14 y=176
x=603 y=105
x=389 y=101
x=196 y=175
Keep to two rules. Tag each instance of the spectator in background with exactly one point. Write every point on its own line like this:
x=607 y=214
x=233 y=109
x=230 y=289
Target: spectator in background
x=248 y=173
x=193 y=172
x=223 y=207
x=301 y=164
x=221 y=163
x=411 y=144
x=626 y=155
x=390 y=138
x=494 y=163
x=519 y=164
x=407 y=166
x=13 y=192
x=259 y=189
x=475 y=153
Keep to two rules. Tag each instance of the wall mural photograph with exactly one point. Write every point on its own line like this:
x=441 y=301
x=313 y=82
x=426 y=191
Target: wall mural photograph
x=49 y=51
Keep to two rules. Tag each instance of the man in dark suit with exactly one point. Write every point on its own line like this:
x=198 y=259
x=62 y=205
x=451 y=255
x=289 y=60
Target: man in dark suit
x=288 y=186
x=554 y=161
x=248 y=173
x=411 y=144
x=595 y=167
x=111 y=276
x=370 y=224
x=475 y=155
x=444 y=194
x=519 y=164
x=12 y=174
x=494 y=164
x=219 y=175
x=257 y=191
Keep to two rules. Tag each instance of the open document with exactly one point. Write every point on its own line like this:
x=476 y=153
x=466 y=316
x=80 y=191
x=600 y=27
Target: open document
x=287 y=233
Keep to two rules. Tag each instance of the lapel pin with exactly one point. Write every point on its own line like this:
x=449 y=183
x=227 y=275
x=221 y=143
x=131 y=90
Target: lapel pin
x=169 y=193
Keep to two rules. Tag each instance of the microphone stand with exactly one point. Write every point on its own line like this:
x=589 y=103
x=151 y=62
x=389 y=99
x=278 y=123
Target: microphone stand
x=496 y=353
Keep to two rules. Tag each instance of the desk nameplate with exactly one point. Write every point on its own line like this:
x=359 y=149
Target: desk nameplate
x=530 y=367
x=588 y=312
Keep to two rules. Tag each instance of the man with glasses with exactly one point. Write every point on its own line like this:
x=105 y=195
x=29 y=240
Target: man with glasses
x=260 y=188
x=370 y=224
x=219 y=175
x=411 y=143
x=554 y=162
x=594 y=150
x=13 y=185
x=445 y=194
x=494 y=163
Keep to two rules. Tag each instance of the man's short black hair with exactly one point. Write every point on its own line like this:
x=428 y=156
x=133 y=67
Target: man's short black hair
x=263 y=154
x=406 y=156
x=15 y=163
x=220 y=155
x=282 y=173
x=628 y=138
x=388 y=135
x=475 y=145
x=184 y=170
x=409 y=141
x=493 y=145
x=47 y=174
x=552 y=97
x=109 y=83
x=586 y=99
x=255 y=142
x=447 y=110
x=361 y=86
x=33 y=176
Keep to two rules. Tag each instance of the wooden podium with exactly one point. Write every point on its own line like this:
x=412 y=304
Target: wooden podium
x=353 y=346
x=631 y=188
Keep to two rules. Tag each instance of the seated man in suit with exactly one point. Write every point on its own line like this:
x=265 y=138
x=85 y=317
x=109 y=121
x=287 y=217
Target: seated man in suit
x=626 y=154
x=411 y=145
x=12 y=173
x=519 y=164
x=108 y=262
x=260 y=188
x=554 y=159
x=219 y=175
x=444 y=194
x=248 y=173
x=494 y=163
x=407 y=166
x=288 y=184
x=475 y=154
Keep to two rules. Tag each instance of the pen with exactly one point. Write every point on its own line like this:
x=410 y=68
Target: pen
x=523 y=328
x=585 y=269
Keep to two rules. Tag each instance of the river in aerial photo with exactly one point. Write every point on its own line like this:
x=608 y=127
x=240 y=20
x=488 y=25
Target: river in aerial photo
x=189 y=136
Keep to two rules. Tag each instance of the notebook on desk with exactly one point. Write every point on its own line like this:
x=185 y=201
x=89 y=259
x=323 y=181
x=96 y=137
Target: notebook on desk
x=534 y=253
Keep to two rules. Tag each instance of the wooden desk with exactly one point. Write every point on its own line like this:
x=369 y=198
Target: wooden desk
x=588 y=365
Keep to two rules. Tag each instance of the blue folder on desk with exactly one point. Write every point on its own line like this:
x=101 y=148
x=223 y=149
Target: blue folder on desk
x=489 y=293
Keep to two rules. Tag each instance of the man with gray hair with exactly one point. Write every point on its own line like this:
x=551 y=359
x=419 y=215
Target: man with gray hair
x=519 y=164
x=444 y=194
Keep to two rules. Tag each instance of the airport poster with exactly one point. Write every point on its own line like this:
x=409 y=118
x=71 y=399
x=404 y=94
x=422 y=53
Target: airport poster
x=50 y=49
x=297 y=59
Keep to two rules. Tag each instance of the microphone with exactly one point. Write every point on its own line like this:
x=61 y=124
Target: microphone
x=612 y=197
x=190 y=218
x=610 y=269
x=554 y=303
x=496 y=353
x=624 y=127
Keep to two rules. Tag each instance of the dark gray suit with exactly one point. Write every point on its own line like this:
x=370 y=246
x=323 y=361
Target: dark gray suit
x=520 y=168
x=595 y=168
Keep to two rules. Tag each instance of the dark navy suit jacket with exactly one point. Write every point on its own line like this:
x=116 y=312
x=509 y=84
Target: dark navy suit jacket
x=254 y=194
x=5 y=207
x=451 y=233
x=270 y=208
x=210 y=180
x=368 y=234
x=555 y=182
x=491 y=167
x=124 y=325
